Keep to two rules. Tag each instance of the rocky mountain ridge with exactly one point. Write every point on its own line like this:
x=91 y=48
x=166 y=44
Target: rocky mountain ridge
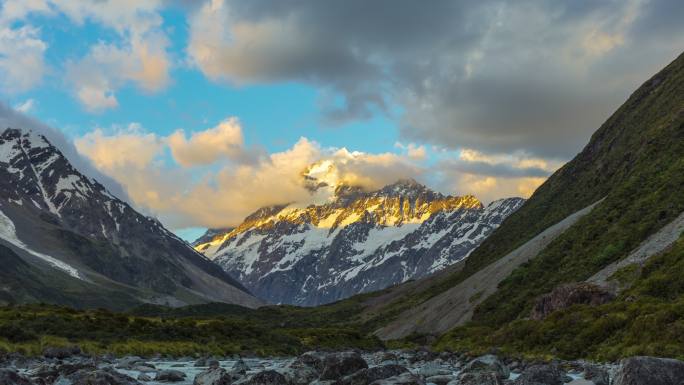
x=357 y=242
x=53 y=216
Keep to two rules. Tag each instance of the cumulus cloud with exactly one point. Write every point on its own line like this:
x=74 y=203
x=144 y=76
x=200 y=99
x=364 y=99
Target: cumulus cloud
x=224 y=195
x=22 y=65
x=493 y=176
x=150 y=167
x=495 y=75
x=206 y=147
x=138 y=55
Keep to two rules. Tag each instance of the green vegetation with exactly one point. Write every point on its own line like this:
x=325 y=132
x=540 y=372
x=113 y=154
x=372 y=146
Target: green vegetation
x=635 y=161
x=226 y=330
x=646 y=319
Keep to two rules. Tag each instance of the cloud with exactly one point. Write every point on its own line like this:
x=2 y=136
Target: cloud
x=206 y=147
x=140 y=58
x=492 y=176
x=241 y=180
x=27 y=106
x=498 y=76
x=224 y=195
x=128 y=147
x=22 y=65
x=138 y=53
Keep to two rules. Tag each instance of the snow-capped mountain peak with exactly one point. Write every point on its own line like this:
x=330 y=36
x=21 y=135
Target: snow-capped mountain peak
x=359 y=241
x=48 y=207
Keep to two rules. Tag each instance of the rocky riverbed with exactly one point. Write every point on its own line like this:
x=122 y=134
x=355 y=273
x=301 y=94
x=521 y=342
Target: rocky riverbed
x=406 y=367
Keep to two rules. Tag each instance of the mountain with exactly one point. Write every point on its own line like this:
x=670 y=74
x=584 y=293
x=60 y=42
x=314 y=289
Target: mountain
x=611 y=217
x=65 y=239
x=355 y=242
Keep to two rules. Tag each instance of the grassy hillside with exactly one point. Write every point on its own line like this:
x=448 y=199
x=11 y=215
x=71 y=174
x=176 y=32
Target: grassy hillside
x=647 y=319
x=635 y=160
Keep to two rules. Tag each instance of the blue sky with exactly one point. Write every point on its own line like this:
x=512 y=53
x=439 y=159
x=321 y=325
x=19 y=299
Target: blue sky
x=204 y=111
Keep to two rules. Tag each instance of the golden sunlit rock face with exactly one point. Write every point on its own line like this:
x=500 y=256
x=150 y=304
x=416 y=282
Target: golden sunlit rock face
x=392 y=206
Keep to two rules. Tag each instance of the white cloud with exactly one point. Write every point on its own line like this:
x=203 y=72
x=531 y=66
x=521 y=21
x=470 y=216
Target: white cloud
x=216 y=197
x=106 y=67
x=138 y=54
x=206 y=147
x=22 y=65
x=25 y=107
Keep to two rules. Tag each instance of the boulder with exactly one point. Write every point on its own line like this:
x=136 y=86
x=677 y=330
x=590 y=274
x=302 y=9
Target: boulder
x=299 y=374
x=11 y=377
x=202 y=362
x=542 y=374
x=565 y=296
x=367 y=376
x=596 y=374
x=402 y=379
x=442 y=379
x=128 y=362
x=104 y=376
x=213 y=363
x=213 y=376
x=61 y=353
x=650 y=370
x=338 y=365
x=487 y=364
x=144 y=377
x=267 y=377
x=170 y=375
x=239 y=367
x=479 y=378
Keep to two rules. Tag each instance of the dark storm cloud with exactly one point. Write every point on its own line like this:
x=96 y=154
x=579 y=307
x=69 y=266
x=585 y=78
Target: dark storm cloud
x=497 y=76
x=498 y=170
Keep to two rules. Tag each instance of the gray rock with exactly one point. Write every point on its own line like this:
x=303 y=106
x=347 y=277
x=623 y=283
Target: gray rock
x=61 y=352
x=479 y=378
x=402 y=379
x=129 y=362
x=442 y=379
x=651 y=371
x=104 y=376
x=170 y=375
x=213 y=376
x=338 y=365
x=267 y=377
x=213 y=363
x=597 y=375
x=567 y=295
x=487 y=364
x=202 y=362
x=240 y=367
x=11 y=377
x=144 y=377
x=542 y=374
x=367 y=376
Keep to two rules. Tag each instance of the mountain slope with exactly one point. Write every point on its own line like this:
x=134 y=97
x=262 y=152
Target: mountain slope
x=358 y=242
x=634 y=162
x=53 y=216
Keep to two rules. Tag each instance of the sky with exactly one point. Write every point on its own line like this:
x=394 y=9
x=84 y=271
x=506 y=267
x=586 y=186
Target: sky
x=200 y=112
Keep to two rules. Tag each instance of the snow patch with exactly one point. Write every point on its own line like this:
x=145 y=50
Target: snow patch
x=8 y=233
